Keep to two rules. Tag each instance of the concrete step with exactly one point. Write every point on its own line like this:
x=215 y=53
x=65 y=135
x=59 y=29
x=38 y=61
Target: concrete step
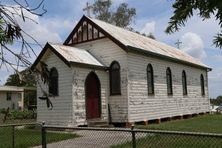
x=97 y=123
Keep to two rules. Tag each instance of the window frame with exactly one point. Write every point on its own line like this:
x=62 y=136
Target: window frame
x=184 y=83
x=53 y=91
x=170 y=85
x=150 y=80
x=8 y=96
x=111 y=78
x=202 y=85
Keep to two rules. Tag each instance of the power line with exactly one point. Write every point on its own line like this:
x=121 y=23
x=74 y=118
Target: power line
x=30 y=43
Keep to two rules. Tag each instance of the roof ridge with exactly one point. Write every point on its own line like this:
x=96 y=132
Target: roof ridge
x=155 y=43
x=120 y=28
x=139 y=35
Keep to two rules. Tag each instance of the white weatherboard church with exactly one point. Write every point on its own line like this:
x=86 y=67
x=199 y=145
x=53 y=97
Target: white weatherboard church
x=106 y=73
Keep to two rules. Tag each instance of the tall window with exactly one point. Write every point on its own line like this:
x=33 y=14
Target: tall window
x=202 y=85
x=53 y=82
x=115 y=87
x=184 y=82
x=150 y=80
x=8 y=96
x=169 y=81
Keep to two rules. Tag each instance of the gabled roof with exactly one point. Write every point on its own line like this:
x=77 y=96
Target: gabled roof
x=131 y=41
x=70 y=55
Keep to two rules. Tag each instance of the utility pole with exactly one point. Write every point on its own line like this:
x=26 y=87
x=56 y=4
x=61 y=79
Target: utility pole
x=178 y=43
x=88 y=9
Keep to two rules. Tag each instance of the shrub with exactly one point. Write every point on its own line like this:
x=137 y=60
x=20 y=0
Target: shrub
x=3 y=111
x=14 y=114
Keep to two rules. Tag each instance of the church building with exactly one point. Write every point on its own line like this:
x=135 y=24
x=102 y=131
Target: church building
x=105 y=73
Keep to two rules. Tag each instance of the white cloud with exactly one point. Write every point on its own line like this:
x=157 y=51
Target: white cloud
x=117 y=1
x=216 y=74
x=193 y=45
x=217 y=58
x=43 y=29
x=215 y=82
x=149 y=27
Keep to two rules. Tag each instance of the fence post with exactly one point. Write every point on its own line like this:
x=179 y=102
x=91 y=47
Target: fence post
x=13 y=136
x=133 y=136
x=43 y=135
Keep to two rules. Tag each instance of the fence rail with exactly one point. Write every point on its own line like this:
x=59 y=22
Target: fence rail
x=40 y=135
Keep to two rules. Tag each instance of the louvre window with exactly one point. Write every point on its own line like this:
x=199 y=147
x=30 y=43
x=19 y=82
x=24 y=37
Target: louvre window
x=115 y=87
x=150 y=80
x=202 y=85
x=184 y=83
x=169 y=81
x=53 y=82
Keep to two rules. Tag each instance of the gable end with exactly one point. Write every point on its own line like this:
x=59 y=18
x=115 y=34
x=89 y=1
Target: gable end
x=94 y=25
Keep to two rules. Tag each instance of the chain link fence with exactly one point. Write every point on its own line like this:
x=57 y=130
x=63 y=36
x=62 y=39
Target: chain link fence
x=42 y=136
x=131 y=138
x=20 y=135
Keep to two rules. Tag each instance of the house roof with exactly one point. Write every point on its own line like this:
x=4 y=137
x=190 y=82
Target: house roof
x=15 y=88
x=131 y=41
x=11 y=88
x=70 y=55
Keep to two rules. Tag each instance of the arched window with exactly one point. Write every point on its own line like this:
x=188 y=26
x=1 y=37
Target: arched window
x=169 y=81
x=184 y=82
x=53 y=82
x=202 y=85
x=115 y=87
x=150 y=80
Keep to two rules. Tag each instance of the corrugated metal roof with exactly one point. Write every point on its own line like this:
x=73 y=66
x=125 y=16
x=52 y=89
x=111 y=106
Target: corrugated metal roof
x=129 y=38
x=11 y=88
x=73 y=54
x=16 y=89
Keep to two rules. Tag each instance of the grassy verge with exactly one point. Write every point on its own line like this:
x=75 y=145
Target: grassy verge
x=173 y=141
x=205 y=123
x=29 y=137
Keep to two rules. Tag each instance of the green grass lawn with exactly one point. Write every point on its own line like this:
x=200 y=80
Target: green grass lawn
x=205 y=123
x=173 y=141
x=29 y=137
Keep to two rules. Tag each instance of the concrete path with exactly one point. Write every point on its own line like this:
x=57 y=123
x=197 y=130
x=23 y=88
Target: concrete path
x=93 y=139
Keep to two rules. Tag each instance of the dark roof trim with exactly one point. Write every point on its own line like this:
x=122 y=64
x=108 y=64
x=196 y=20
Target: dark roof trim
x=74 y=30
x=84 y=18
x=148 y=53
x=48 y=46
x=84 y=65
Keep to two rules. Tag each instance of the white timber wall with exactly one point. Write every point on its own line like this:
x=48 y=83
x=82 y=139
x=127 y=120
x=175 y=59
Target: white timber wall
x=106 y=52
x=79 y=106
x=62 y=112
x=147 y=107
x=16 y=100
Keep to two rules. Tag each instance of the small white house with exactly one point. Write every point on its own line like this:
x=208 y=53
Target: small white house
x=11 y=97
x=103 y=72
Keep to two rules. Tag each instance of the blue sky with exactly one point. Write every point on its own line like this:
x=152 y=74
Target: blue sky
x=152 y=16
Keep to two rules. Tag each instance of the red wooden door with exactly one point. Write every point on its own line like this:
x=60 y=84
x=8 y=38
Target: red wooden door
x=92 y=96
